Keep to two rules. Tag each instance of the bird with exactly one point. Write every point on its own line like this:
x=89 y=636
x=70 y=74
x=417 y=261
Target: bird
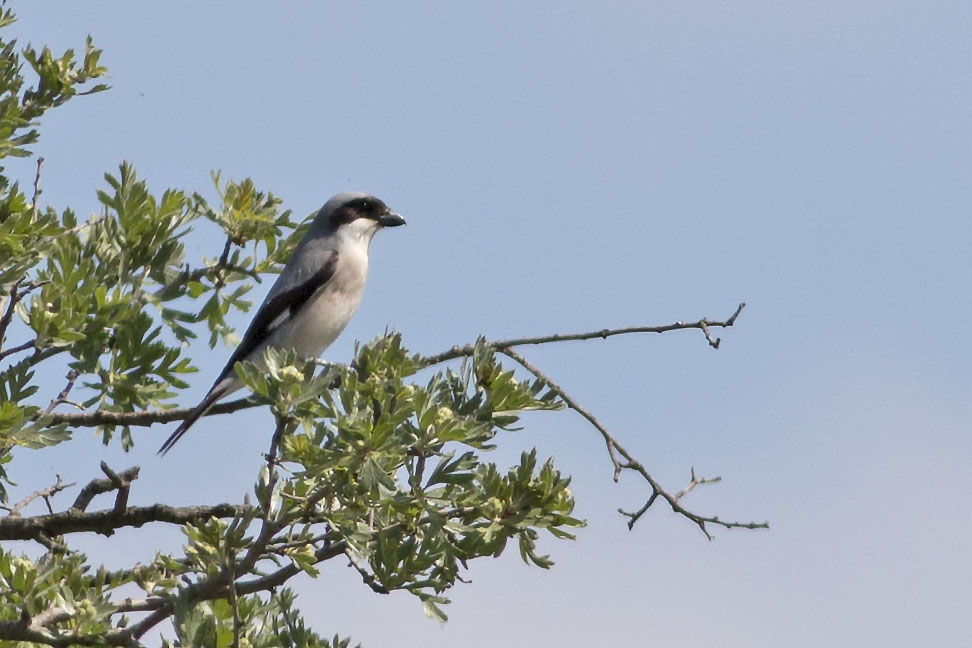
x=315 y=295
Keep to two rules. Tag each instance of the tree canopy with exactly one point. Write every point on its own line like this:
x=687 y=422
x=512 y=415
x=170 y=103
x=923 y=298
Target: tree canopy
x=382 y=463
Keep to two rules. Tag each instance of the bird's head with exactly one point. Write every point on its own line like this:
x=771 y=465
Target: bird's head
x=358 y=214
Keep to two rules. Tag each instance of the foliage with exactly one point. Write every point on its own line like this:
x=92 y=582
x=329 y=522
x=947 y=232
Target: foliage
x=382 y=463
x=375 y=464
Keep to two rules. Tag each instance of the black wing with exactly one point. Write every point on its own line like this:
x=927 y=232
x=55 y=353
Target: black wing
x=278 y=310
x=272 y=314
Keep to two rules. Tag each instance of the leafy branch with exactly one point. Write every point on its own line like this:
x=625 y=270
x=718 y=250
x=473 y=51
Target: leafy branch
x=149 y=417
x=621 y=459
x=367 y=463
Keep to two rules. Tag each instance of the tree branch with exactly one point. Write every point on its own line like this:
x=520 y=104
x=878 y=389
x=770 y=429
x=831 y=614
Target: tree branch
x=615 y=450
x=35 y=203
x=149 y=417
x=703 y=325
x=269 y=527
x=15 y=296
x=72 y=377
x=107 y=521
x=215 y=588
x=50 y=491
x=115 y=481
x=17 y=349
x=144 y=418
x=366 y=577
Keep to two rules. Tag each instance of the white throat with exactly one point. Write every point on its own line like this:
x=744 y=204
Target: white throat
x=358 y=232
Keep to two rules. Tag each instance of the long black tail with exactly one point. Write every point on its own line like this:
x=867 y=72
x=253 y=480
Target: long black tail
x=214 y=395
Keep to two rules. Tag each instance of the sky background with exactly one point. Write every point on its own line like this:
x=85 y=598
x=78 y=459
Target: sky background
x=566 y=166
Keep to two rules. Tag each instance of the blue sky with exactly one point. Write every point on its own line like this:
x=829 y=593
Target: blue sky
x=568 y=167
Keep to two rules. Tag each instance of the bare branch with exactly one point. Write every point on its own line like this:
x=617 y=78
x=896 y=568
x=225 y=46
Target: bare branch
x=45 y=493
x=35 y=630
x=98 y=486
x=139 y=605
x=703 y=324
x=17 y=349
x=51 y=616
x=696 y=481
x=72 y=376
x=33 y=635
x=615 y=450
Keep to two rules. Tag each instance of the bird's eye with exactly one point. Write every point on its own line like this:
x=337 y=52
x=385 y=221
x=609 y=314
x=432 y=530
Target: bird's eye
x=365 y=205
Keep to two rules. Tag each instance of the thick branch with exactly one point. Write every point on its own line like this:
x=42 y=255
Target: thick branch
x=107 y=521
x=120 y=482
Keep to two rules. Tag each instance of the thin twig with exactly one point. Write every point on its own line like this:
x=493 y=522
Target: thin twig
x=280 y=548
x=45 y=493
x=269 y=527
x=210 y=589
x=695 y=481
x=366 y=577
x=150 y=417
x=703 y=324
x=35 y=204
x=72 y=376
x=16 y=295
x=221 y=263
x=80 y=226
x=16 y=349
x=13 y=297
x=237 y=623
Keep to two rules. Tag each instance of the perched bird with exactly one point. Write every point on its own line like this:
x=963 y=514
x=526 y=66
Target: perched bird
x=315 y=295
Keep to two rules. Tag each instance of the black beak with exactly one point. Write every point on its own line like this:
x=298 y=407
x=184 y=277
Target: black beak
x=391 y=219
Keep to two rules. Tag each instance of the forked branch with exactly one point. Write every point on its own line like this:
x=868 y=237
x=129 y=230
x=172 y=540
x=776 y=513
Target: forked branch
x=77 y=519
x=622 y=460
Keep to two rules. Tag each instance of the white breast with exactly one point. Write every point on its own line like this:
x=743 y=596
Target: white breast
x=330 y=309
